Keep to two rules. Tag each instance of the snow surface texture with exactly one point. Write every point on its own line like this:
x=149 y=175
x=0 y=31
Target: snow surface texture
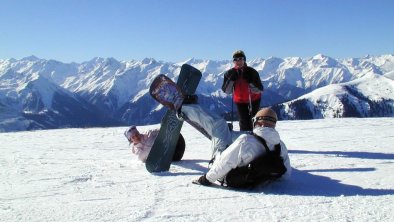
x=33 y=91
x=342 y=172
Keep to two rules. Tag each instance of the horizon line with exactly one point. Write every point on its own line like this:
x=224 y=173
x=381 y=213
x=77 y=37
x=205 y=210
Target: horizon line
x=34 y=57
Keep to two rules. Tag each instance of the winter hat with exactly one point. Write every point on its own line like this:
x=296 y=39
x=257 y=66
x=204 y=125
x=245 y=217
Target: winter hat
x=239 y=54
x=267 y=116
x=132 y=131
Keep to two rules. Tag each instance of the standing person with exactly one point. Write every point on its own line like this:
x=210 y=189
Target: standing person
x=247 y=148
x=245 y=85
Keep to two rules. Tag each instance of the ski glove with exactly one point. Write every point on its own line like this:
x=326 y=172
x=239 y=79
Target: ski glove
x=233 y=76
x=254 y=89
x=202 y=181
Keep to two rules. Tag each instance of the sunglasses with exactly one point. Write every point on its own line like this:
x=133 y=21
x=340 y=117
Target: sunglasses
x=261 y=118
x=238 y=59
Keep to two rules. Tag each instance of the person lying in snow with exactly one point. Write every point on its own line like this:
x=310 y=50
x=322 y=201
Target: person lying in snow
x=237 y=158
x=141 y=143
x=231 y=151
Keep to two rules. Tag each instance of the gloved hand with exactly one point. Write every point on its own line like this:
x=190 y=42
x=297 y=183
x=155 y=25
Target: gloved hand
x=202 y=181
x=254 y=89
x=233 y=76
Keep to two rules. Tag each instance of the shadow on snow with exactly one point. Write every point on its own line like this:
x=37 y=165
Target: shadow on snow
x=195 y=165
x=303 y=183
x=360 y=155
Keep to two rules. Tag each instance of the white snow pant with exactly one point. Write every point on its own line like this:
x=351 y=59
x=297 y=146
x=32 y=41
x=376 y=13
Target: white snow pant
x=213 y=124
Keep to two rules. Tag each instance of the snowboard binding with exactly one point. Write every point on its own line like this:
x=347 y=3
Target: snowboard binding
x=190 y=99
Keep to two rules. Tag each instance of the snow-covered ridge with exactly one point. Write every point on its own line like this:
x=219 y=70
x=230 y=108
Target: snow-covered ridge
x=118 y=88
x=369 y=96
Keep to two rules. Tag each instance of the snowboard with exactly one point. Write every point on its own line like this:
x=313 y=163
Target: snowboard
x=170 y=95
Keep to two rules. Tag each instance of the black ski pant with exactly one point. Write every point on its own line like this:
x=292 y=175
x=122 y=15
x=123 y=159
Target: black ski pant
x=245 y=119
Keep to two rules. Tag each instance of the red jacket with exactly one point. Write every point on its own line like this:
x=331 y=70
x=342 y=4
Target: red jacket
x=241 y=78
x=242 y=92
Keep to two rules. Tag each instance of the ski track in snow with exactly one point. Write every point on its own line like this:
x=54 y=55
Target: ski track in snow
x=342 y=171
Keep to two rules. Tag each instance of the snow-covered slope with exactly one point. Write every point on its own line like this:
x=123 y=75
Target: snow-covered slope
x=91 y=175
x=119 y=88
x=369 y=96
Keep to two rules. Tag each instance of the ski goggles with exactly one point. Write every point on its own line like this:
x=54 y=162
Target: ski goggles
x=263 y=118
x=238 y=59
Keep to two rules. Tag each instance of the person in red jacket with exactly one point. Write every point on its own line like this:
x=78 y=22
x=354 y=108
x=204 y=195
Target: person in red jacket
x=244 y=83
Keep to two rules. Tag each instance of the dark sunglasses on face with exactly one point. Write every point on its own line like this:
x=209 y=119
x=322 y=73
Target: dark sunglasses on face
x=261 y=118
x=238 y=59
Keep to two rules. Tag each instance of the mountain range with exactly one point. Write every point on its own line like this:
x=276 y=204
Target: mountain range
x=42 y=94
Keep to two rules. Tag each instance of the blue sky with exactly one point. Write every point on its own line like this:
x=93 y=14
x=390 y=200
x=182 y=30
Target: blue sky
x=174 y=30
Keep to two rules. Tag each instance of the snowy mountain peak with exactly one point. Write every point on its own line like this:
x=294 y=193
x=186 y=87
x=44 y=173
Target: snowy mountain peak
x=273 y=59
x=31 y=58
x=97 y=60
x=191 y=60
x=148 y=61
x=319 y=57
x=324 y=61
x=256 y=61
x=369 y=96
x=270 y=65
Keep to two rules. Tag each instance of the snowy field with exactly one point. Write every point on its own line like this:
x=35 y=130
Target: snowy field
x=342 y=171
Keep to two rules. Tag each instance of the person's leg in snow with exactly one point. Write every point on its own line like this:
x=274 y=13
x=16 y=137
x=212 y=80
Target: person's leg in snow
x=213 y=124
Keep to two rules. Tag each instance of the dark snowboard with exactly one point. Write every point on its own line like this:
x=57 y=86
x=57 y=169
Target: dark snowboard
x=160 y=156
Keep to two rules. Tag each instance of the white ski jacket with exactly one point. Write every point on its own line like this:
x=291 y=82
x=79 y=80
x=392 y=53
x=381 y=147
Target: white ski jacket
x=244 y=149
x=143 y=148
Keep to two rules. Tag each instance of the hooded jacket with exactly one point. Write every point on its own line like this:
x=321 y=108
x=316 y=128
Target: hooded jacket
x=244 y=149
x=143 y=148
